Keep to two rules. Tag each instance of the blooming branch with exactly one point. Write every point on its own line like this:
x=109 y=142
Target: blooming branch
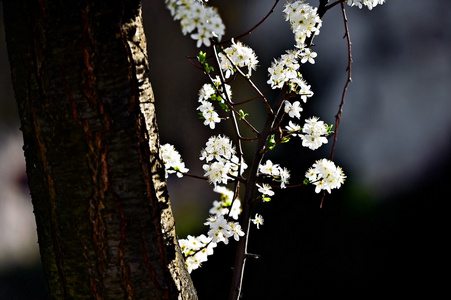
x=224 y=162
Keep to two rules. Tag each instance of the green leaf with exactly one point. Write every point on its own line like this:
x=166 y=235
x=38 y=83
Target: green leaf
x=272 y=142
x=215 y=97
x=201 y=57
x=242 y=114
x=266 y=199
x=208 y=68
x=329 y=129
x=286 y=139
x=224 y=106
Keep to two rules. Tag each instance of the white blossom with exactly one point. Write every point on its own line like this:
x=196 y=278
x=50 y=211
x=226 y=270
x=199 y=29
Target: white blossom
x=258 y=220
x=269 y=168
x=308 y=56
x=293 y=128
x=293 y=110
x=265 y=189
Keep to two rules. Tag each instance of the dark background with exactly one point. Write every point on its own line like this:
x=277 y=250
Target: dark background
x=383 y=233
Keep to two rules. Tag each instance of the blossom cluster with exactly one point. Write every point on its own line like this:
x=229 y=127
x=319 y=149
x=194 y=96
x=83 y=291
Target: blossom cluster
x=221 y=229
x=212 y=92
x=275 y=171
x=368 y=3
x=228 y=205
x=305 y=23
x=238 y=55
x=172 y=160
x=200 y=21
x=304 y=20
x=313 y=134
x=285 y=70
x=325 y=175
x=197 y=249
x=221 y=161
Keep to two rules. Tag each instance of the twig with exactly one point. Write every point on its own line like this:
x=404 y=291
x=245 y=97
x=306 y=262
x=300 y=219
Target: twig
x=250 y=99
x=348 y=79
x=255 y=27
x=333 y=4
x=345 y=88
x=194 y=176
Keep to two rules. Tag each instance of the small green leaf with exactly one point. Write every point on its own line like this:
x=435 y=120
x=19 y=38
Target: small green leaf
x=224 y=106
x=208 y=68
x=272 y=142
x=329 y=129
x=242 y=114
x=286 y=139
x=266 y=199
x=202 y=57
x=215 y=97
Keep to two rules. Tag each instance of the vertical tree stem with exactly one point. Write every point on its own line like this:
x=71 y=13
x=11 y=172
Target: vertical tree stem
x=240 y=258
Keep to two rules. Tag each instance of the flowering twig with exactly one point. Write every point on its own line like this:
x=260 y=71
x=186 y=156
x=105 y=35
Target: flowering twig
x=252 y=84
x=224 y=163
x=229 y=102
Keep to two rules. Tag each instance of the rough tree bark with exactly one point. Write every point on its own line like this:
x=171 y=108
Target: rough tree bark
x=104 y=221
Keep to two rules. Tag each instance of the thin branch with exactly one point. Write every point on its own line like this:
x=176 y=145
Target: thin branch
x=333 y=4
x=348 y=79
x=194 y=176
x=255 y=27
x=323 y=7
x=345 y=88
x=190 y=59
x=250 y=99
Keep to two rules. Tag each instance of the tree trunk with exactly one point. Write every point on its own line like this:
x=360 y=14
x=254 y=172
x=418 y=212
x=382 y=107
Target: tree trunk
x=104 y=221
